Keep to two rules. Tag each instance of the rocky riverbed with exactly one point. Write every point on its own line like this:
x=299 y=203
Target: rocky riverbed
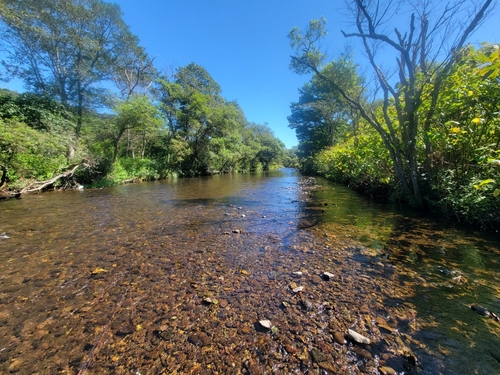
x=226 y=290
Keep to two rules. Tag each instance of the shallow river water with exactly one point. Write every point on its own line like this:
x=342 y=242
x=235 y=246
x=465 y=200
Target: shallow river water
x=173 y=277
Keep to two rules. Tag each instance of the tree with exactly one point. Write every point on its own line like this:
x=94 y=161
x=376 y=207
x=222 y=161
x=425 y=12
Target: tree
x=136 y=114
x=63 y=48
x=134 y=71
x=196 y=77
x=196 y=114
x=271 y=149
x=321 y=117
x=423 y=56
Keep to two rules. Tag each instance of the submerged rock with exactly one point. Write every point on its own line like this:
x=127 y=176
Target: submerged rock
x=327 y=275
x=339 y=338
x=481 y=310
x=318 y=356
x=386 y=370
x=211 y=301
x=265 y=323
x=316 y=279
x=298 y=289
x=200 y=339
x=356 y=337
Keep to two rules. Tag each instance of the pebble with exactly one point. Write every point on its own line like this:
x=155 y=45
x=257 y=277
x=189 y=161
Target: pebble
x=297 y=273
x=386 y=370
x=318 y=356
x=363 y=353
x=306 y=304
x=265 y=323
x=298 y=289
x=316 y=279
x=210 y=300
x=327 y=275
x=480 y=310
x=339 y=338
x=199 y=339
x=360 y=339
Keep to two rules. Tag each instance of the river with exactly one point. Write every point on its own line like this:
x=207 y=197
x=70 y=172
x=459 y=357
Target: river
x=181 y=277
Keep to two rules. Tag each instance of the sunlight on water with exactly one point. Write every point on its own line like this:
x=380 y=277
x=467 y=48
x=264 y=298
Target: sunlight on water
x=117 y=280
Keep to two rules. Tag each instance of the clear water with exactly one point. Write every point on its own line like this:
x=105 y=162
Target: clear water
x=114 y=281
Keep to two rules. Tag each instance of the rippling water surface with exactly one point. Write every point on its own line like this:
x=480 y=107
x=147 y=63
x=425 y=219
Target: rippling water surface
x=174 y=277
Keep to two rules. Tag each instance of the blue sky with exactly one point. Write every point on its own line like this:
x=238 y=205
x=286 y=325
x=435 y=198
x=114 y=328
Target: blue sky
x=243 y=44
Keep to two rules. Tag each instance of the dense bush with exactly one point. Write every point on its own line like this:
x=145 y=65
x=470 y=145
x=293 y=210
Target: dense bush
x=362 y=163
x=29 y=154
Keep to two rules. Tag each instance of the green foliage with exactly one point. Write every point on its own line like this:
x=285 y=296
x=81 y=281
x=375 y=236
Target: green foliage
x=466 y=142
x=305 y=46
x=321 y=117
x=29 y=154
x=140 y=119
x=362 y=163
x=214 y=133
x=62 y=50
x=37 y=111
x=462 y=159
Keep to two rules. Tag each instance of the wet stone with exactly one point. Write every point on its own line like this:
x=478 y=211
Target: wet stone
x=363 y=353
x=327 y=276
x=339 y=338
x=265 y=323
x=480 y=310
x=327 y=366
x=386 y=370
x=306 y=304
x=298 y=289
x=356 y=337
x=200 y=339
x=318 y=356
x=316 y=279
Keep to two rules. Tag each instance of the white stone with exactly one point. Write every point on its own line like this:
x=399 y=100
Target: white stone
x=360 y=339
x=265 y=323
x=327 y=275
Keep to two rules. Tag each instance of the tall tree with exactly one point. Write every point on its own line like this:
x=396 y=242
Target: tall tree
x=423 y=56
x=136 y=114
x=321 y=117
x=63 y=48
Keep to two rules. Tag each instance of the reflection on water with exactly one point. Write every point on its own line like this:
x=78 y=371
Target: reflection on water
x=442 y=270
x=113 y=281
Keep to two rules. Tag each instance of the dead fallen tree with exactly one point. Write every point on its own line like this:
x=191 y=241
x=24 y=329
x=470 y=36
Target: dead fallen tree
x=38 y=186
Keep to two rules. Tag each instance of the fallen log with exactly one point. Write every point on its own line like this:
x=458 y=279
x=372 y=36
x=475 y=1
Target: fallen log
x=40 y=185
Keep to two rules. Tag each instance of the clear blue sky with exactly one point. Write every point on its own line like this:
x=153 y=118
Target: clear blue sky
x=243 y=45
